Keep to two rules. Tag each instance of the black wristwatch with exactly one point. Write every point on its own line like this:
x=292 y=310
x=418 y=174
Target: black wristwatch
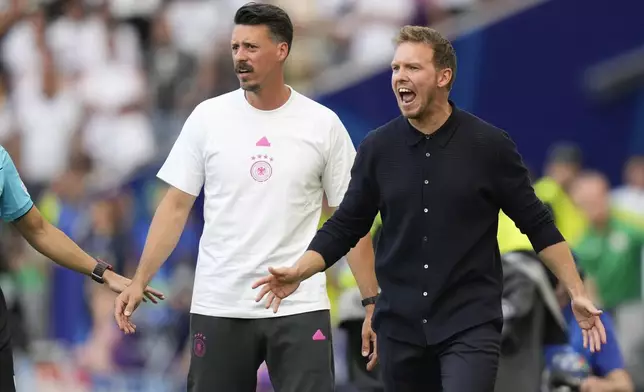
x=369 y=301
x=99 y=270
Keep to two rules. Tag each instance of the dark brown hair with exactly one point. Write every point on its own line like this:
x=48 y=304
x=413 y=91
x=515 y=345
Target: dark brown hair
x=444 y=54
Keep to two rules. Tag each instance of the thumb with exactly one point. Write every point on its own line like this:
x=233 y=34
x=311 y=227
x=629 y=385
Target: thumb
x=593 y=310
x=279 y=272
x=589 y=307
x=276 y=271
x=131 y=305
x=366 y=345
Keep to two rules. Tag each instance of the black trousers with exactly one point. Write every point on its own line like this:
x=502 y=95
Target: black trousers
x=227 y=352
x=466 y=362
x=6 y=354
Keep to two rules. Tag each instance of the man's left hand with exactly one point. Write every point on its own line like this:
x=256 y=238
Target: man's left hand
x=592 y=328
x=593 y=384
x=369 y=341
x=118 y=283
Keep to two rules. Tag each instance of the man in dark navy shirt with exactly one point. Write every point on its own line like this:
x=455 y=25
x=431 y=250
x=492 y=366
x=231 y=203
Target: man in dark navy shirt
x=438 y=175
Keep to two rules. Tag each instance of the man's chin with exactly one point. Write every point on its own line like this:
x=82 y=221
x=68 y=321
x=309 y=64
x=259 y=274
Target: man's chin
x=411 y=114
x=250 y=87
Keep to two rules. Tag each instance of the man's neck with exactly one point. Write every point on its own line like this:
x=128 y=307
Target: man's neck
x=435 y=116
x=269 y=97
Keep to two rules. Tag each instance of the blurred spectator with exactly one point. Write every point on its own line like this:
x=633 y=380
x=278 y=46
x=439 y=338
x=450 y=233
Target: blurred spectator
x=610 y=252
x=22 y=49
x=202 y=27
x=603 y=370
x=45 y=140
x=118 y=134
x=368 y=25
x=563 y=163
x=65 y=206
x=72 y=38
x=629 y=198
x=7 y=117
x=171 y=75
x=11 y=11
x=532 y=319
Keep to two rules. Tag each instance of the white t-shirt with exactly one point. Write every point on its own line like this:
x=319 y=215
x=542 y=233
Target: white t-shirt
x=47 y=136
x=264 y=174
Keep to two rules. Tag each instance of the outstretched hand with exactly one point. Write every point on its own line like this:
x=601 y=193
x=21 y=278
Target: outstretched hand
x=279 y=284
x=126 y=303
x=592 y=328
x=117 y=283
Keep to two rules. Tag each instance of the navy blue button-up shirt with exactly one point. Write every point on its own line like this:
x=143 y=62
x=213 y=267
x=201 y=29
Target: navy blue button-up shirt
x=437 y=261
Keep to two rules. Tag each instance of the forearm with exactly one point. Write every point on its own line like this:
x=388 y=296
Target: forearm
x=619 y=381
x=55 y=245
x=310 y=264
x=166 y=228
x=616 y=381
x=362 y=263
x=559 y=260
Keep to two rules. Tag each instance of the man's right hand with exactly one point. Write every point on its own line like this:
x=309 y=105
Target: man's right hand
x=279 y=284
x=125 y=305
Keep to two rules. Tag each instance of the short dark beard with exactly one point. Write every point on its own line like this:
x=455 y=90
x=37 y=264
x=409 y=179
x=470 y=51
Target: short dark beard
x=253 y=88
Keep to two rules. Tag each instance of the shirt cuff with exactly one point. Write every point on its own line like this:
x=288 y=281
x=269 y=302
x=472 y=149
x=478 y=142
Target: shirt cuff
x=545 y=236
x=19 y=213
x=330 y=249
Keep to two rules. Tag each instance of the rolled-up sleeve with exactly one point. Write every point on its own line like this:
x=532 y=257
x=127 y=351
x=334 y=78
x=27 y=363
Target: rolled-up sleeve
x=516 y=197
x=354 y=217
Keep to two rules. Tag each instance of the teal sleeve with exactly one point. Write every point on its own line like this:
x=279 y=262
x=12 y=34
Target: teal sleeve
x=14 y=198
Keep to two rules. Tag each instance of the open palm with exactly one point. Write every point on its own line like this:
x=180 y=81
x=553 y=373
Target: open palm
x=279 y=284
x=592 y=328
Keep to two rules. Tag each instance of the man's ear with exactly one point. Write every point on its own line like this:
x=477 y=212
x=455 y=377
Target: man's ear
x=445 y=77
x=283 y=50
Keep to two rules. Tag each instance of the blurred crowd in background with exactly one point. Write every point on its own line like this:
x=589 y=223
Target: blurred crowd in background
x=93 y=94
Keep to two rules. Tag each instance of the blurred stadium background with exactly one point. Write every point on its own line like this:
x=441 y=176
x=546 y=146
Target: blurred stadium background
x=94 y=92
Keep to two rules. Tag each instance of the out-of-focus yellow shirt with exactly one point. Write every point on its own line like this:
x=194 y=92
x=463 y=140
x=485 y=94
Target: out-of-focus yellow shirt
x=570 y=220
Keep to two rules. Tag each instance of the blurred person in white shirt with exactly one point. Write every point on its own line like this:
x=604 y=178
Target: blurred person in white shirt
x=201 y=27
x=22 y=47
x=118 y=135
x=74 y=38
x=171 y=74
x=7 y=118
x=79 y=39
x=369 y=26
x=629 y=198
x=48 y=116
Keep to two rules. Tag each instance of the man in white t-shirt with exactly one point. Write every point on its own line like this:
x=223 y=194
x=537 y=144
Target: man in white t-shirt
x=265 y=156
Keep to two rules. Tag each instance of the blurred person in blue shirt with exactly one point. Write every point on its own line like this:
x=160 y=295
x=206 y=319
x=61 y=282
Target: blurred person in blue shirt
x=17 y=208
x=601 y=371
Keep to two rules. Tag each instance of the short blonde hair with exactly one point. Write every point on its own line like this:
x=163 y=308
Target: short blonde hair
x=444 y=53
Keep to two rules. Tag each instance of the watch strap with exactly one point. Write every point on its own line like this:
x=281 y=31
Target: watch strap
x=369 y=301
x=99 y=270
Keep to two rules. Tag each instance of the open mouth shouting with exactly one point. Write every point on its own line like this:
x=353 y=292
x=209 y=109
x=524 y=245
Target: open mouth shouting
x=406 y=96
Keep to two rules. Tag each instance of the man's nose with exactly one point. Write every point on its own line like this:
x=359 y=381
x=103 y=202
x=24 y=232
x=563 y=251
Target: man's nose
x=240 y=56
x=400 y=76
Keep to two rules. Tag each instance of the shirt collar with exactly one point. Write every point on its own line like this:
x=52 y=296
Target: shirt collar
x=442 y=134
